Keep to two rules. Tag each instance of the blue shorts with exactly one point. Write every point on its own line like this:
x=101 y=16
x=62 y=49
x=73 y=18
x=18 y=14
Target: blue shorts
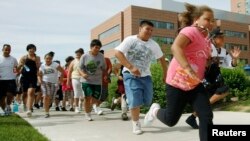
x=139 y=90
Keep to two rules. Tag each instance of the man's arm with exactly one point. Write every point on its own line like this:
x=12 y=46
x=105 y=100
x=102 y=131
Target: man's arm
x=60 y=69
x=70 y=72
x=38 y=62
x=120 y=56
x=40 y=76
x=80 y=68
x=109 y=65
x=21 y=63
x=164 y=67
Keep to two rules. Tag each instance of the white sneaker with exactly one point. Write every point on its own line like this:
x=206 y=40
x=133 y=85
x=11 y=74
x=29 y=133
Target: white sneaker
x=8 y=110
x=94 y=108
x=24 y=108
x=149 y=117
x=81 y=105
x=137 y=128
x=97 y=110
x=2 y=112
x=88 y=117
x=29 y=113
x=77 y=110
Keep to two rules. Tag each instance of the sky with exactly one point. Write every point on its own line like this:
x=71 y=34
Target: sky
x=63 y=26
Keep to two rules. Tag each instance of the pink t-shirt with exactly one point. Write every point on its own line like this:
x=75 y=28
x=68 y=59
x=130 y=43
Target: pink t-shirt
x=197 y=53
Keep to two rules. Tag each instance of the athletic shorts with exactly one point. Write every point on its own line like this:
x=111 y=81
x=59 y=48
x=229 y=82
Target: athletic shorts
x=92 y=90
x=68 y=94
x=217 y=90
x=139 y=90
x=28 y=82
x=59 y=93
x=49 y=89
x=7 y=86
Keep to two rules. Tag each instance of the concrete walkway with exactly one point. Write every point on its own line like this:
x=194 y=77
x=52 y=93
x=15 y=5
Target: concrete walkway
x=69 y=126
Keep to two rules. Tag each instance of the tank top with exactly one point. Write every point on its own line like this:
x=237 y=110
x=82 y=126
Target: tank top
x=75 y=74
x=29 y=68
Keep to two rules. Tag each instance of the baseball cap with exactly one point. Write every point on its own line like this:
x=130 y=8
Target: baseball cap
x=216 y=32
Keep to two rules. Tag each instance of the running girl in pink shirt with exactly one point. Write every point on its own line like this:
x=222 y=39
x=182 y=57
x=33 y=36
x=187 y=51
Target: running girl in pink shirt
x=191 y=50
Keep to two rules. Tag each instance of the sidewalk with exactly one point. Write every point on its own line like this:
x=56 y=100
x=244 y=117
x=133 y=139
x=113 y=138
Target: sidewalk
x=69 y=126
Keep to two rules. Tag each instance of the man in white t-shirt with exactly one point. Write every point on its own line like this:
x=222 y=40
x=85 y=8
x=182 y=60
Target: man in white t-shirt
x=8 y=65
x=135 y=53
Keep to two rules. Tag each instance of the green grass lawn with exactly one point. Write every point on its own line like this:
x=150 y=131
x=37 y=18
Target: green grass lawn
x=14 y=128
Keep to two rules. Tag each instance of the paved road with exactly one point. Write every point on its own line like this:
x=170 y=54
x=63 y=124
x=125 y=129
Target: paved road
x=69 y=126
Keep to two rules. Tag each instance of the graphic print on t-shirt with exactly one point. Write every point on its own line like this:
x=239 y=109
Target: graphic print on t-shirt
x=92 y=66
x=140 y=56
x=49 y=70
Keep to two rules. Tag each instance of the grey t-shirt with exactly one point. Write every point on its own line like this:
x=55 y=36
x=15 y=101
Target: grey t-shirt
x=93 y=66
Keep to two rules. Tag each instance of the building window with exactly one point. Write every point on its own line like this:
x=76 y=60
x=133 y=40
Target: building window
x=163 y=40
x=109 y=32
x=230 y=46
x=235 y=34
x=247 y=2
x=238 y=4
x=247 y=7
x=161 y=24
x=111 y=45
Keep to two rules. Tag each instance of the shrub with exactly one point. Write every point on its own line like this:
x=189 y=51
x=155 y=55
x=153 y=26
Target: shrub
x=237 y=81
x=235 y=78
x=112 y=88
x=159 y=86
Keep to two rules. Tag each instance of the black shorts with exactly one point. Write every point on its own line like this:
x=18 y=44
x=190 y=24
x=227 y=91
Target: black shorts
x=59 y=93
x=217 y=89
x=19 y=91
x=104 y=93
x=38 y=89
x=28 y=82
x=7 y=86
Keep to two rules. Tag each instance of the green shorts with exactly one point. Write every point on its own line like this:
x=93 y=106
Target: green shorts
x=92 y=90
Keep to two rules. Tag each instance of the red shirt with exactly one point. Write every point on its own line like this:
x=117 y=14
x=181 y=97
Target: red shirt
x=105 y=74
x=64 y=85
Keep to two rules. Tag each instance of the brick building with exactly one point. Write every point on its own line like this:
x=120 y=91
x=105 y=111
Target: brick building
x=164 y=16
x=240 y=6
